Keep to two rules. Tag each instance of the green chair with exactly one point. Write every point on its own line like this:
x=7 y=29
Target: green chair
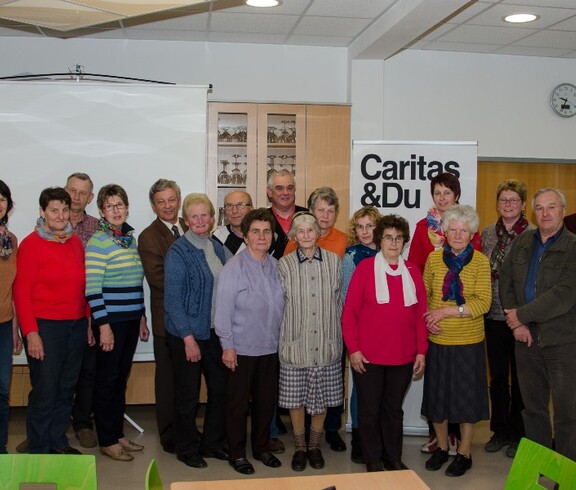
x=153 y=481
x=66 y=471
x=532 y=461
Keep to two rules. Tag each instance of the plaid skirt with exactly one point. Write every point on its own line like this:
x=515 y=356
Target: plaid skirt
x=314 y=388
x=455 y=383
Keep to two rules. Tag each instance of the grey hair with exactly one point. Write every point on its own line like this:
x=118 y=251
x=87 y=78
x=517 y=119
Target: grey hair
x=303 y=217
x=461 y=212
x=325 y=194
x=279 y=173
x=81 y=176
x=161 y=185
x=558 y=192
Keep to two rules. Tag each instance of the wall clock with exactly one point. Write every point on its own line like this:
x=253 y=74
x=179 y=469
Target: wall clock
x=563 y=100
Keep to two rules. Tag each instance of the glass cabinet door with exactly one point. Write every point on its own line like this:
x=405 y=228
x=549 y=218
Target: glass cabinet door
x=281 y=146
x=232 y=157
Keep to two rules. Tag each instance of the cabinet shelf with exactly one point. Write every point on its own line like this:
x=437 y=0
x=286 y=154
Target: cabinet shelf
x=229 y=144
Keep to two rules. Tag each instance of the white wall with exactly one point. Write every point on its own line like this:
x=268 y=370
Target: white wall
x=239 y=72
x=500 y=101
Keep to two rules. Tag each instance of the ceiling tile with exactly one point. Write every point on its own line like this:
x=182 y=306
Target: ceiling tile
x=131 y=7
x=461 y=47
x=527 y=51
x=485 y=34
x=194 y=22
x=366 y=9
x=267 y=24
x=328 y=26
x=495 y=15
x=246 y=37
x=319 y=41
x=552 y=39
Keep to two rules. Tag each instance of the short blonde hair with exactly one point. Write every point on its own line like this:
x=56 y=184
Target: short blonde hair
x=370 y=211
x=197 y=198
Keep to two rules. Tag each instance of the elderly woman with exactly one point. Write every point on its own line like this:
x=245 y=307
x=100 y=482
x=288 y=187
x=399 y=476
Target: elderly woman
x=457 y=280
x=191 y=271
x=429 y=236
x=114 y=291
x=52 y=313
x=361 y=241
x=310 y=337
x=10 y=341
x=505 y=399
x=249 y=311
x=384 y=330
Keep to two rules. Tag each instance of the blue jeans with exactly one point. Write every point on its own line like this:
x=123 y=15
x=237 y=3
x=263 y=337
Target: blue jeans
x=5 y=370
x=53 y=382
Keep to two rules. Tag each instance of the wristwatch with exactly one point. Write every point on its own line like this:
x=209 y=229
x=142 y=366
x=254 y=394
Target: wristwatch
x=460 y=311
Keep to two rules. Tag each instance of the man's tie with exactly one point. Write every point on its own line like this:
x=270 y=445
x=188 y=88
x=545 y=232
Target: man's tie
x=175 y=231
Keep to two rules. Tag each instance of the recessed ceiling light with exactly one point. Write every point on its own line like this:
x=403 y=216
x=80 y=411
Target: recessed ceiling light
x=520 y=18
x=262 y=3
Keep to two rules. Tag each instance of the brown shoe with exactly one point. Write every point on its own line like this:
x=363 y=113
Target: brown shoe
x=22 y=448
x=130 y=446
x=276 y=446
x=116 y=452
x=86 y=437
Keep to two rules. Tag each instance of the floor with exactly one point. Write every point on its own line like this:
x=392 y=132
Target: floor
x=489 y=471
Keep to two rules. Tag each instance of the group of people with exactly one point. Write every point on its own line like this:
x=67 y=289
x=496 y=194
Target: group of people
x=266 y=308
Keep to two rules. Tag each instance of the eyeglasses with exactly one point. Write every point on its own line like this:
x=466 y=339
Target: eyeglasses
x=238 y=205
x=367 y=227
x=393 y=239
x=117 y=207
x=512 y=200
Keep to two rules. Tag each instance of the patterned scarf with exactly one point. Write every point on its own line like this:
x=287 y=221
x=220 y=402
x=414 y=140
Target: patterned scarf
x=435 y=233
x=6 y=240
x=452 y=287
x=505 y=238
x=50 y=234
x=359 y=252
x=120 y=236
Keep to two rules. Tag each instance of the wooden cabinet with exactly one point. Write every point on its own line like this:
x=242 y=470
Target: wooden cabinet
x=311 y=141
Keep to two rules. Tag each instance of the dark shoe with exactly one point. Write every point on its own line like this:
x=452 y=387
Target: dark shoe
x=221 y=454
x=315 y=458
x=511 y=449
x=268 y=459
x=335 y=441
x=169 y=446
x=496 y=443
x=438 y=458
x=192 y=460
x=242 y=465
x=299 y=461
x=86 y=437
x=356 y=451
x=459 y=465
x=276 y=446
x=394 y=465
x=370 y=467
x=65 y=450
x=22 y=448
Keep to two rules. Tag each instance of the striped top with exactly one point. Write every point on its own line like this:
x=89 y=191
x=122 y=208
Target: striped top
x=114 y=278
x=477 y=292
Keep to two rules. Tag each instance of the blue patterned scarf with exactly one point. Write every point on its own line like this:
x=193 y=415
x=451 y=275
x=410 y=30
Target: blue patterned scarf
x=452 y=287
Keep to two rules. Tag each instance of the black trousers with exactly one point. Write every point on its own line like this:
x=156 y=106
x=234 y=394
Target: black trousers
x=163 y=390
x=381 y=390
x=505 y=399
x=253 y=379
x=187 y=396
x=112 y=371
x=84 y=397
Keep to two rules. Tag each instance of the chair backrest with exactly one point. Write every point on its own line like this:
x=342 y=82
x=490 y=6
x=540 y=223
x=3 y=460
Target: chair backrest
x=69 y=471
x=153 y=481
x=532 y=461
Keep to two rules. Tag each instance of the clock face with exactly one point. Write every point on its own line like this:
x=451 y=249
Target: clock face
x=563 y=100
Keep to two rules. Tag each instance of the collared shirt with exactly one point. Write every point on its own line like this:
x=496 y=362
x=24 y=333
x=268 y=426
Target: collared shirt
x=85 y=228
x=537 y=253
x=172 y=225
x=302 y=257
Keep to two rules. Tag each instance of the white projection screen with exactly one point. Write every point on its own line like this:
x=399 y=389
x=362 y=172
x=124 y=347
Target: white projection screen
x=123 y=133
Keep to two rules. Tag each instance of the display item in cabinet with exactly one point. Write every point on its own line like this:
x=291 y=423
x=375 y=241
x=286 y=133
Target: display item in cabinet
x=236 y=176
x=223 y=176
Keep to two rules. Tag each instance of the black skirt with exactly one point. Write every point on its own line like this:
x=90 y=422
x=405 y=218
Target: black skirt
x=455 y=384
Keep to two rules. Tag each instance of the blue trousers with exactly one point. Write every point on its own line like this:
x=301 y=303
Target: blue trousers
x=5 y=370
x=53 y=381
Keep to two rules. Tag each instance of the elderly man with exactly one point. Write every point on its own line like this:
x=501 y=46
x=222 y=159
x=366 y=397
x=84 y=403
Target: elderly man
x=538 y=293
x=236 y=205
x=153 y=244
x=281 y=193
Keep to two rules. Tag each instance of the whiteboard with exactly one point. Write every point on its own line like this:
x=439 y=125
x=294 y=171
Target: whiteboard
x=127 y=134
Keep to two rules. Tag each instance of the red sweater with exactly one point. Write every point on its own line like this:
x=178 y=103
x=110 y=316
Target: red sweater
x=389 y=333
x=50 y=281
x=421 y=246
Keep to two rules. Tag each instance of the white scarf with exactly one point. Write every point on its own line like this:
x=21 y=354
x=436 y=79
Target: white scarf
x=381 y=268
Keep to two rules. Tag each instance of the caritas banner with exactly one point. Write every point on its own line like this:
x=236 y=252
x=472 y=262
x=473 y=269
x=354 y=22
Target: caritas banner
x=395 y=176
